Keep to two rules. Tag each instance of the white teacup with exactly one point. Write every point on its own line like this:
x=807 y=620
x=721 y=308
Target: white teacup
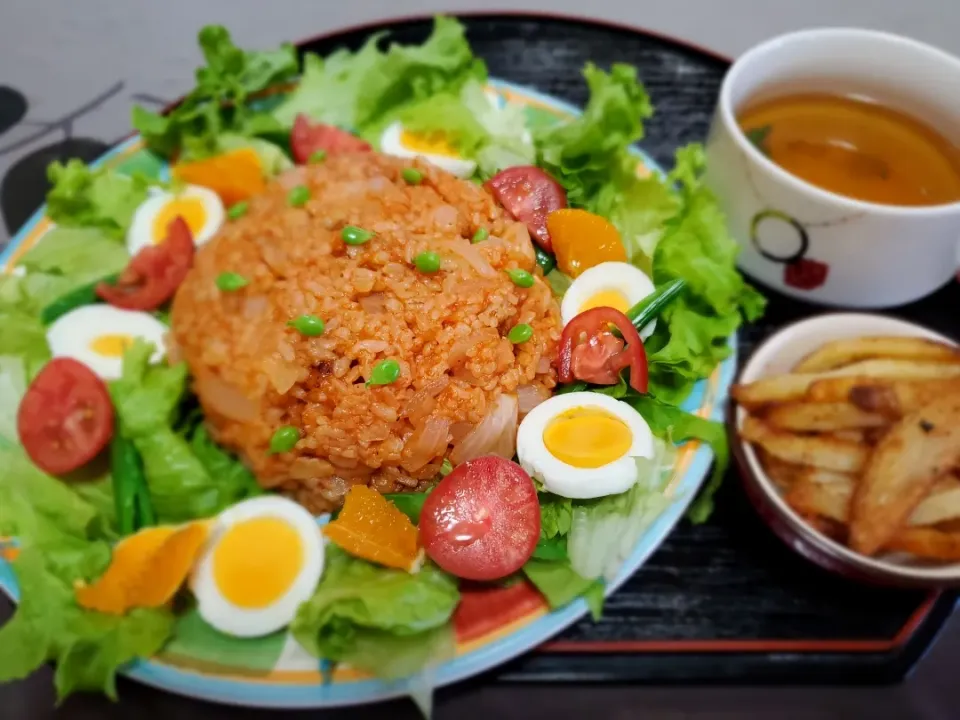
x=814 y=244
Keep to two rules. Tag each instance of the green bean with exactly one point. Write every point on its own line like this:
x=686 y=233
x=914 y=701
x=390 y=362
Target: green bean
x=317 y=156
x=284 y=439
x=231 y=281
x=298 y=196
x=412 y=176
x=427 y=262
x=545 y=260
x=520 y=333
x=78 y=297
x=384 y=372
x=520 y=278
x=353 y=235
x=238 y=210
x=146 y=517
x=480 y=235
x=308 y=325
x=126 y=475
x=653 y=304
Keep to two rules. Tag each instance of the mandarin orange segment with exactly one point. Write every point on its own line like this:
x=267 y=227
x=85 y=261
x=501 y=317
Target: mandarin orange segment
x=582 y=239
x=371 y=527
x=146 y=569
x=235 y=175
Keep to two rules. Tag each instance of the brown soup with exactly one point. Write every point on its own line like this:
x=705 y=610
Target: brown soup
x=855 y=146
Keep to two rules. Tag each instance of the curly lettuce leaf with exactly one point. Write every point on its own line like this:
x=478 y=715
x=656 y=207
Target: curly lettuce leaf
x=387 y=622
x=669 y=421
x=363 y=91
x=605 y=531
x=692 y=336
x=187 y=475
x=63 y=533
x=582 y=153
x=94 y=198
x=495 y=137
x=219 y=103
x=560 y=584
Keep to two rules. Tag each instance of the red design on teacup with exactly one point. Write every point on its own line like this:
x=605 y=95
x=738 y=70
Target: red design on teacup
x=805 y=274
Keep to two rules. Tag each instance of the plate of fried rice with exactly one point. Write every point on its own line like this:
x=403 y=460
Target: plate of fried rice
x=350 y=377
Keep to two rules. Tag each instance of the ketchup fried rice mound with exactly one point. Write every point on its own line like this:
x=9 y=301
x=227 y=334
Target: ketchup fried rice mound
x=462 y=384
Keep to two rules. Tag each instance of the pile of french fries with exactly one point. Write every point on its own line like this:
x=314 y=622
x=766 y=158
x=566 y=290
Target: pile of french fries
x=863 y=439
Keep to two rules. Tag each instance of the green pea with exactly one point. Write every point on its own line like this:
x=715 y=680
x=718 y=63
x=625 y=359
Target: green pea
x=520 y=333
x=298 y=196
x=427 y=262
x=412 y=176
x=309 y=325
x=446 y=468
x=481 y=234
x=317 y=157
x=384 y=372
x=231 y=281
x=353 y=235
x=284 y=439
x=238 y=210
x=521 y=278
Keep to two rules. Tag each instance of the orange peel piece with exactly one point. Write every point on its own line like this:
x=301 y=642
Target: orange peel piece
x=146 y=569
x=235 y=175
x=582 y=239
x=371 y=527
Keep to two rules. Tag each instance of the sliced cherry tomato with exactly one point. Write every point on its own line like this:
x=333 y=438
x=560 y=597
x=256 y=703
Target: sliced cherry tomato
x=155 y=273
x=600 y=359
x=308 y=138
x=482 y=521
x=529 y=195
x=65 y=417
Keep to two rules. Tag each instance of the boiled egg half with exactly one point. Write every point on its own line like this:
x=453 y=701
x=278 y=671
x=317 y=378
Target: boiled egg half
x=584 y=444
x=98 y=336
x=264 y=558
x=435 y=148
x=618 y=285
x=200 y=207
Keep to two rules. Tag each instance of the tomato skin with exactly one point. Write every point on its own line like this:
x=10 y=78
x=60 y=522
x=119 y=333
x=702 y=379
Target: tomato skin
x=529 y=195
x=306 y=138
x=601 y=358
x=482 y=521
x=155 y=273
x=65 y=418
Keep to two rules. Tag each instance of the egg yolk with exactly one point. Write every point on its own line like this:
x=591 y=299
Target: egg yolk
x=606 y=298
x=256 y=561
x=586 y=437
x=191 y=209
x=427 y=143
x=111 y=346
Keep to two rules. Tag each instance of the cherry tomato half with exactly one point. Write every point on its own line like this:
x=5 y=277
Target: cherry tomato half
x=602 y=356
x=529 y=195
x=155 y=273
x=65 y=417
x=482 y=521
x=306 y=138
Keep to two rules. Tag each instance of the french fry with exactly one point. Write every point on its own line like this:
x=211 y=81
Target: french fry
x=830 y=500
x=821 y=417
x=779 y=471
x=842 y=352
x=821 y=452
x=926 y=543
x=896 y=399
x=901 y=471
x=794 y=386
x=938 y=507
x=849 y=435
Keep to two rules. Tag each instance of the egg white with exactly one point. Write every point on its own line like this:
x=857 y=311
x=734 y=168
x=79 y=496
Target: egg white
x=140 y=234
x=566 y=480
x=72 y=335
x=231 y=619
x=629 y=280
x=391 y=143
